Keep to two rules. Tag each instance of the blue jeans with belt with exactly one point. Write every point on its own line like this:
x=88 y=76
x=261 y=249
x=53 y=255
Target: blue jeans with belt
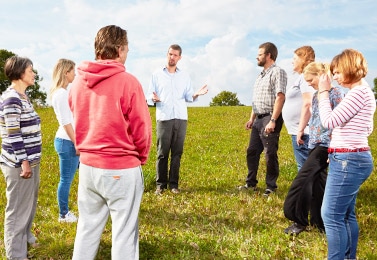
x=68 y=164
x=347 y=172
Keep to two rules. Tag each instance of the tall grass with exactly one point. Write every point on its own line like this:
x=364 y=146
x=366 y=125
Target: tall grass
x=210 y=219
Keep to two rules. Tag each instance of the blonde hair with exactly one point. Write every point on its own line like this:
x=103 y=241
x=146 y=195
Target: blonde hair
x=59 y=79
x=317 y=69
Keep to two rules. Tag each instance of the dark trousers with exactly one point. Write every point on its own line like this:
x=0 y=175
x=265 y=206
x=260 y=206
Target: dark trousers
x=170 y=139
x=306 y=192
x=260 y=141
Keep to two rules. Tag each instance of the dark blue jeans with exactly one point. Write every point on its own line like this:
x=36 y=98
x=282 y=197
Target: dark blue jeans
x=68 y=164
x=269 y=143
x=170 y=140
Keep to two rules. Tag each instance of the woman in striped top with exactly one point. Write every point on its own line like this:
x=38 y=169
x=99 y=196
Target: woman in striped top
x=350 y=158
x=20 y=157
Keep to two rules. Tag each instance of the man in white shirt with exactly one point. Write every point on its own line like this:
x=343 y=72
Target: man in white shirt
x=170 y=89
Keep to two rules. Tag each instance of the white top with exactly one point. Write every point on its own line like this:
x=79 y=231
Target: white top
x=62 y=112
x=293 y=104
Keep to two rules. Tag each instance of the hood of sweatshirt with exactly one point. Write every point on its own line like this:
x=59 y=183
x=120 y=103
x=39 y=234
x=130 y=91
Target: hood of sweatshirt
x=94 y=72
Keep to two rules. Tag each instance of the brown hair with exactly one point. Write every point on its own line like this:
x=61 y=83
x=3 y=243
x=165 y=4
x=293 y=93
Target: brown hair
x=176 y=47
x=270 y=48
x=108 y=41
x=16 y=66
x=352 y=64
x=306 y=54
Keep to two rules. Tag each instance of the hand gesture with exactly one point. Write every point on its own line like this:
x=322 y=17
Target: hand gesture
x=202 y=91
x=155 y=98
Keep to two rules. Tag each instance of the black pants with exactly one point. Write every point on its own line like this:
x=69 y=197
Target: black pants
x=306 y=192
x=269 y=143
x=170 y=140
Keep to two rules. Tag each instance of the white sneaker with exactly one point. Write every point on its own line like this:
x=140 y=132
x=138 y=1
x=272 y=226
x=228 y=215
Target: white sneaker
x=69 y=218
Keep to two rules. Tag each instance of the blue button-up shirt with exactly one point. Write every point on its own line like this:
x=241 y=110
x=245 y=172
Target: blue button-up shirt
x=174 y=90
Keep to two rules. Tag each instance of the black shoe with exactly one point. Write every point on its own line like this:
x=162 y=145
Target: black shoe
x=268 y=192
x=294 y=229
x=247 y=187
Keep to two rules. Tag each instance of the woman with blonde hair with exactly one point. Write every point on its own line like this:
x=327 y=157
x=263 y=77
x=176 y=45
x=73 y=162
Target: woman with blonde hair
x=351 y=161
x=63 y=74
x=306 y=192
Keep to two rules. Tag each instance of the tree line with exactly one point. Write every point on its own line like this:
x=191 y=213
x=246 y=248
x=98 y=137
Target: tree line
x=35 y=94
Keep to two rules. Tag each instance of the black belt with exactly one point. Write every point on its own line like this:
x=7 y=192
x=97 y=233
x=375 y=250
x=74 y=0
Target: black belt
x=263 y=115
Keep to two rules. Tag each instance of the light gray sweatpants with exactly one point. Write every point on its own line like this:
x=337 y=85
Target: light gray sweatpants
x=22 y=196
x=102 y=192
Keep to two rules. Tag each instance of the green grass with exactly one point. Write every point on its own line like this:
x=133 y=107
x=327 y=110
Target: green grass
x=210 y=219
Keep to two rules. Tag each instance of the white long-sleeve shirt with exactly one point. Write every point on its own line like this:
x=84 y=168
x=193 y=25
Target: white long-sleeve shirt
x=62 y=111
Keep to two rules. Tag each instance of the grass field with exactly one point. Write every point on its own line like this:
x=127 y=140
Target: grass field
x=210 y=219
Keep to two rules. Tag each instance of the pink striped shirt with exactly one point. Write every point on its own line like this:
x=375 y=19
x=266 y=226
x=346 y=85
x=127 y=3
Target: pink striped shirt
x=351 y=120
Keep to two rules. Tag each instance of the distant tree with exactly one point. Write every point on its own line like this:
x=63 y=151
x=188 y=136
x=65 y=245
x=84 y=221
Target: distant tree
x=36 y=96
x=375 y=88
x=4 y=82
x=225 y=98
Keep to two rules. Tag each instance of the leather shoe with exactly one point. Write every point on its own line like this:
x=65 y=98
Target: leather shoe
x=294 y=229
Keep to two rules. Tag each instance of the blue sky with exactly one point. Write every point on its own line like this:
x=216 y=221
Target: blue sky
x=219 y=38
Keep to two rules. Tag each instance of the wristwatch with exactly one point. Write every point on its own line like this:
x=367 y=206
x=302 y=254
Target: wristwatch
x=272 y=120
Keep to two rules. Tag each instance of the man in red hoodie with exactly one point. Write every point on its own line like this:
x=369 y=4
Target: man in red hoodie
x=113 y=135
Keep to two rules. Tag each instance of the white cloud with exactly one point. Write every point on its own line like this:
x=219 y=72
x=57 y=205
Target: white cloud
x=219 y=38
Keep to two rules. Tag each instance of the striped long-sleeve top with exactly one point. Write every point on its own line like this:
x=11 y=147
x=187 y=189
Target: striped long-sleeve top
x=20 y=130
x=351 y=120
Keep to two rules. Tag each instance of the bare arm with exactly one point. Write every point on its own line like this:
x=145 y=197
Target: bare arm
x=305 y=115
x=250 y=123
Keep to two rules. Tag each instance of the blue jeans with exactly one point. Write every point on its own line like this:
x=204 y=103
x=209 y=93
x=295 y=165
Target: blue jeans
x=68 y=164
x=301 y=151
x=347 y=171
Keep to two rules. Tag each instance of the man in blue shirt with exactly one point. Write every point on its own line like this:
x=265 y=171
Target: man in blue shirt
x=170 y=89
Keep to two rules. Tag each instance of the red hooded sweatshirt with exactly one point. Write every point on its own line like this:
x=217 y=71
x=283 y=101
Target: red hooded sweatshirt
x=112 y=120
